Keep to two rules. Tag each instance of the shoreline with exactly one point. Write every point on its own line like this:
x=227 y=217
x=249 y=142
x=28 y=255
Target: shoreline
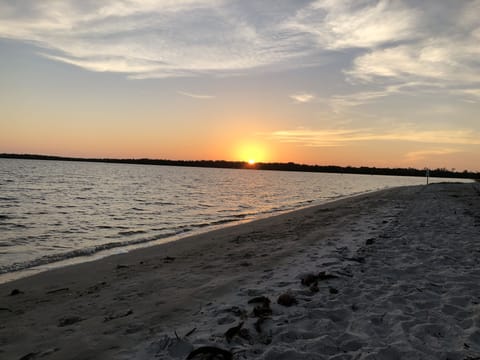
x=122 y=249
x=405 y=285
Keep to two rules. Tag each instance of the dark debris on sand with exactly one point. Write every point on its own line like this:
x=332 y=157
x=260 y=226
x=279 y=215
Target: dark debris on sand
x=287 y=299
x=70 y=320
x=15 y=292
x=210 y=353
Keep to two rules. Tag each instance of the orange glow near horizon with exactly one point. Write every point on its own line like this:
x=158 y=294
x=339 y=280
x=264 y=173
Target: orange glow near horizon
x=229 y=142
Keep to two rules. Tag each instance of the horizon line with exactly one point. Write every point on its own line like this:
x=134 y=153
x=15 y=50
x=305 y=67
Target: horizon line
x=241 y=164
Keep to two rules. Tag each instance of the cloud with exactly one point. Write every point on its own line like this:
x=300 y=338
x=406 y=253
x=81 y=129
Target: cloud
x=354 y=24
x=340 y=102
x=342 y=137
x=196 y=96
x=302 y=97
x=383 y=42
x=424 y=154
x=470 y=95
x=149 y=38
x=164 y=38
x=441 y=60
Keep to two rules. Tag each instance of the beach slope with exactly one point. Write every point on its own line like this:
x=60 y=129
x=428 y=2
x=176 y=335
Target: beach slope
x=389 y=275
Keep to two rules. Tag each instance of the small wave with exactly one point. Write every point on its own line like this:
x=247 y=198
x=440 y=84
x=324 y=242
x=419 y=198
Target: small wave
x=224 y=221
x=4 y=217
x=203 y=205
x=16 y=226
x=163 y=203
x=160 y=229
x=47 y=259
x=243 y=216
x=243 y=206
x=131 y=232
x=200 y=225
x=30 y=213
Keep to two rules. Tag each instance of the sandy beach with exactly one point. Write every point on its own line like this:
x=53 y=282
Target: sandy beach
x=390 y=275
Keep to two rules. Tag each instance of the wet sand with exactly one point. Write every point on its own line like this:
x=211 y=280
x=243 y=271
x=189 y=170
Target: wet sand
x=389 y=275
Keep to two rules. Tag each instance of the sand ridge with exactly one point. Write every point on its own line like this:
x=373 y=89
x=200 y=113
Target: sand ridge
x=404 y=284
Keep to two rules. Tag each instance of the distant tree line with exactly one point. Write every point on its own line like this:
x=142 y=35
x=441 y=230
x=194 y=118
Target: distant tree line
x=290 y=166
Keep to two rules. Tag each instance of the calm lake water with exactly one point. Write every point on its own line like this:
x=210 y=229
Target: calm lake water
x=55 y=210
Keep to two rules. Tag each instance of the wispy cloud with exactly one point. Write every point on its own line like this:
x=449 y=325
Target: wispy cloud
x=424 y=154
x=470 y=95
x=340 y=102
x=437 y=57
x=352 y=24
x=443 y=60
x=342 y=137
x=196 y=96
x=302 y=97
x=149 y=38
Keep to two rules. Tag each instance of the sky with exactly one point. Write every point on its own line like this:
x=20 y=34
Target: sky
x=329 y=82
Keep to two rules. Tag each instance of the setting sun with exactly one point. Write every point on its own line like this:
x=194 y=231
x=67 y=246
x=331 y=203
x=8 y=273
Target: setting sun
x=251 y=153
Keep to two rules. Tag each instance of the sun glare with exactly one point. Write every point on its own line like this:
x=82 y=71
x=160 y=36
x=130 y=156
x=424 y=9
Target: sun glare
x=252 y=153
